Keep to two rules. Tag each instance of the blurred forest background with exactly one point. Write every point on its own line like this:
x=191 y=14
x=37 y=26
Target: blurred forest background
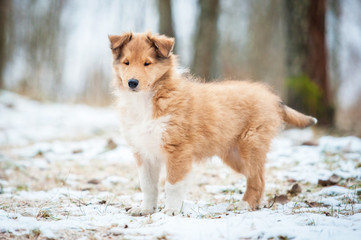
x=308 y=51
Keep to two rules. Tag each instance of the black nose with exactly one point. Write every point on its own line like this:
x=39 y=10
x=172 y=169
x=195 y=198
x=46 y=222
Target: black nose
x=133 y=83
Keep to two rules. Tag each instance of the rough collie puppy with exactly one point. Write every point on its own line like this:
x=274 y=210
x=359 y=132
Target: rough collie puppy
x=169 y=120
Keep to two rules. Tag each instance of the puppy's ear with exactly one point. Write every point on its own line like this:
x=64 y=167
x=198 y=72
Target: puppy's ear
x=163 y=44
x=117 y=41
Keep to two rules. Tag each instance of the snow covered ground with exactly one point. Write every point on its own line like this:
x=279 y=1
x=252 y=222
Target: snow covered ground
x=65 y=173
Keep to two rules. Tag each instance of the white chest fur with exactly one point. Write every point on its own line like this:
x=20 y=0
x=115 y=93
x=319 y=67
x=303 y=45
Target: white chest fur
x=140 y=130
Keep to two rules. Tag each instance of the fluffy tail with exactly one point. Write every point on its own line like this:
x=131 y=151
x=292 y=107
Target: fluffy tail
x=297 y=119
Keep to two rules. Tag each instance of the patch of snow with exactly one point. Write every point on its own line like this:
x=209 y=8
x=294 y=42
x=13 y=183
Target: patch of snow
x=220 y=189
x=112 y=180
x=343 y=144
x=26 y=121
x=335 y=190
x=4 y=183
x=54 y=194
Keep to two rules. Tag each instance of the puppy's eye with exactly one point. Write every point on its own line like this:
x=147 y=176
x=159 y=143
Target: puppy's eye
x=146 y=63
x=126 y=62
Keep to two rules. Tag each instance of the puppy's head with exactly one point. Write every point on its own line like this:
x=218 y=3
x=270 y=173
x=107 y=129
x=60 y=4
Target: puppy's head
x=139 y=60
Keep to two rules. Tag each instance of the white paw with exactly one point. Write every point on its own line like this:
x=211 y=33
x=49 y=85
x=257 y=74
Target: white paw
x=138 y=211
x=241 y=205
x=170 y=211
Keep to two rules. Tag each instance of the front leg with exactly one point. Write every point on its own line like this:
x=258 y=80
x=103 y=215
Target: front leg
x=149 y=179
x=178 y=172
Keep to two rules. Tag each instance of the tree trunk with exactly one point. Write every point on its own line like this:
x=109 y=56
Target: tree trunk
x=317 y=64
x=206 y=40
x=165 y=18
x=4 y=13
x=334 y=9
x=308 y=83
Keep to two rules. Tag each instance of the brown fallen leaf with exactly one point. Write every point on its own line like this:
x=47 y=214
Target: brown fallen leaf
x=295 y=190
x=102 y=202
x=94 y=181
x=333 y=180
x=327 y=214
x=323 y=183
x=310 y=143
x=117 y=232
x=281 y=237
x=9 y=105
x=76 y=151
x=282 y=199
x=111 y=144
x=316 y=204
x=43 y=214
x=39 y=154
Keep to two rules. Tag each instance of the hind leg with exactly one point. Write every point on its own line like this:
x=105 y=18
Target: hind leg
x=248 y=160
x=255 y=180
x=233 y=159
